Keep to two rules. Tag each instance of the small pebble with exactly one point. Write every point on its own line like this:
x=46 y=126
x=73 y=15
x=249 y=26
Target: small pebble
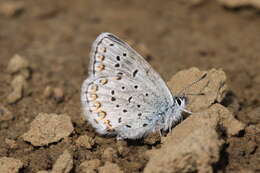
x=11 y=8
x=85 y=141
x=17 y=63
x=240 y=3
x=48 y=92
x=58 y=94
x=20 y=89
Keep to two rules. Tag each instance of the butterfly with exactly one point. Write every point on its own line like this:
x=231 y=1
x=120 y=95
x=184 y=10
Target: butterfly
x=123 y=95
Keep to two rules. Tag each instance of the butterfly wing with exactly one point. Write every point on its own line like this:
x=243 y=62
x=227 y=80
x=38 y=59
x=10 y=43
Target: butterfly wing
x=110 y=55
x=122 y=94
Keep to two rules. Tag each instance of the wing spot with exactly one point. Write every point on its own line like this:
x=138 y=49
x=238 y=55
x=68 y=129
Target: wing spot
x=111 y=44
x=101 y=57
x=112 y=92
x=139 y=114
x=136 y=86
x=113 y=99
x=124 y=110
x=92 y=97
x=100 y=67
x=123 y=87
x=118 y=58
x=117 y=78
x=117 y=106
x=134 y=73
x=107 y=123
x=124 y=54
x=102 y=115
x=128 y=126
x=129 y=99
x=103 y=49
x=120 y=73
x=119 y=119
x=103 y=81
x=145 y=125
x=146 y=94
x=117 y=65
x=138 y=106
x=96 y=106
x=93 y=88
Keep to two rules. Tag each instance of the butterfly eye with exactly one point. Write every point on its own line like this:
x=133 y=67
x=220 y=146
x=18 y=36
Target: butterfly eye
x=179 y=101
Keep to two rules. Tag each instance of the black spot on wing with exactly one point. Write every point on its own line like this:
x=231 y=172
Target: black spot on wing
x=134 y=73
x=129 y=99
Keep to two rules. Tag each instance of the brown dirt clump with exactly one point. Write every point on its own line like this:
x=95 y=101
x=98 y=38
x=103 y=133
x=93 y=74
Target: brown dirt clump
x=10 y=165
x=48 y=128
x=195 y=144
x=240 y=3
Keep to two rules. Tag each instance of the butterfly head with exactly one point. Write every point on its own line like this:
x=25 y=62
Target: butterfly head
x=181 y=101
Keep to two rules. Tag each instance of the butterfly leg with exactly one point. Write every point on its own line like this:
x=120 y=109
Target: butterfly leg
x=186 y=111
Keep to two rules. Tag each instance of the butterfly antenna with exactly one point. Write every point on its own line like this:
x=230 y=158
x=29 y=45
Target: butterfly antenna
x=183 y=91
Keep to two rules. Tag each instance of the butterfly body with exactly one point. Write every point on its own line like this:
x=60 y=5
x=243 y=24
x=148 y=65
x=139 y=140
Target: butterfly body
x=123 y=95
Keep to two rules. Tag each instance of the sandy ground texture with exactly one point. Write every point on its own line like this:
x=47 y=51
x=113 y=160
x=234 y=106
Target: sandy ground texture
x=44 y=47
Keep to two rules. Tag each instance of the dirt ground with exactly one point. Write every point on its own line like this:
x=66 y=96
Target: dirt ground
x=55 y=37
